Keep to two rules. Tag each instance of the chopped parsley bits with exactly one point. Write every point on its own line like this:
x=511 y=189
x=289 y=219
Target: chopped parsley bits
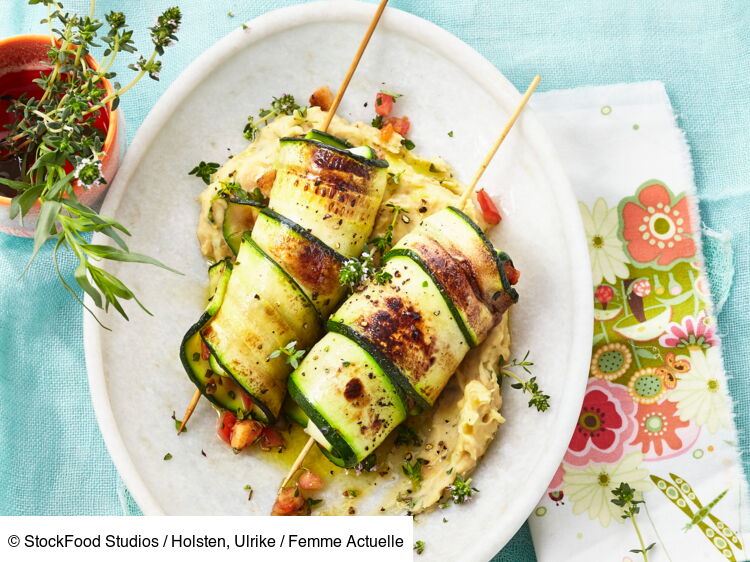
x=168 y=457
x=408 y=144
x=419 y=547
x=414 y=471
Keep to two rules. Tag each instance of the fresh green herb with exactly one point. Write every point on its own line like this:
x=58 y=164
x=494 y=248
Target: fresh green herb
x=230 y=14
x=351 y=493
x=461 y=490
x=313 y=502
x=425 y=283
x=419 y=547
x=178 y=423
x=57 y=132
x=405 y=435
x=168 y=457
x=450 y=133
x=249 y=489
x=625 y=498
x=413 y=471
x=293 y=355
x=377 y=122
x=445 y=520
x=357 y=272
x=284 y=105
x=408 y=144
x=395 y=177
x=385 y=242
x=229 y=189
x=381 y=277
x=346 y=363
x=394 y=96
x=538 y=400
x=204 y=170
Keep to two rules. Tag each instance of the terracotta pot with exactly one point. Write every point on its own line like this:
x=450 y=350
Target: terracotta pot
x=29 y=52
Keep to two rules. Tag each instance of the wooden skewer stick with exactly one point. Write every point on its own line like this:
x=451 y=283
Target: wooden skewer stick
x=324 y=127
x=331 y=112
x=353 y=66
x=499 y=141
x=298 y=462
x=189 y=412
x=464 y=198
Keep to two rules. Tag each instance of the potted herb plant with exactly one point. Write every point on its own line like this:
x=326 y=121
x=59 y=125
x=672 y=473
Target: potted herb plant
x=60 y=139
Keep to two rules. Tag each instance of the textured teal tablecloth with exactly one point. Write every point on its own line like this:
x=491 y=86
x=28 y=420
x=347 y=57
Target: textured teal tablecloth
x=52 y=458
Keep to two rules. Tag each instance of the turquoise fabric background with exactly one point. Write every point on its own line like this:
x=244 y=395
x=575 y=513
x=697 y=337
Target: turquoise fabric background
x=52 y=458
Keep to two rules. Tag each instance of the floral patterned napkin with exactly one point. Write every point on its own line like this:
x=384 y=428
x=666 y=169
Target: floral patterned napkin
x=656 y=416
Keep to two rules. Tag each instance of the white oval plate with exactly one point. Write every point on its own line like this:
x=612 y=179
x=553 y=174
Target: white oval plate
x=135 y=375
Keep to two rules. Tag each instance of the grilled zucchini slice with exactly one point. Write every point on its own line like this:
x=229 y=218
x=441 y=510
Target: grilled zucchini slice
x=347 y=396
x=220 y=390
x=313 y=265
x=335 y=194
x=408 y=327
x=263 y=310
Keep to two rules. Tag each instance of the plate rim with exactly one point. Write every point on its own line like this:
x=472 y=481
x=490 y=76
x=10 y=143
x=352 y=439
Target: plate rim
x=482 y=71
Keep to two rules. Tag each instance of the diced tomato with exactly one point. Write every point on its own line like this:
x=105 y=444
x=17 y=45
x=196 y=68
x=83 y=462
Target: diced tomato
x=511 y=273
x=383 y=104
x=400 y=124
x=308 y=480
x=247 y=402
x=270 y=439
x=226 y=423
x=290 y=502
x=489 y=211
x=205 y=352
x=386 y=132
x=244 y=433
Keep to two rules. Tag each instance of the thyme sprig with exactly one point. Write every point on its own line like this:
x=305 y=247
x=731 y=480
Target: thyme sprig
x=56 y=142
x=538 y=400
x=283 y=105
x=384 y=243
x=461 y=490
x=293 y=355
x=625 y=498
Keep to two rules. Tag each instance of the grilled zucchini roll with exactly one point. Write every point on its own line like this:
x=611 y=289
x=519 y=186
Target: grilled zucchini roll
x=312 y=264
x=448 y=288
x=463 y=264
x=200 y=364
x=348 y=398
x=332 y=192
x=263 y=310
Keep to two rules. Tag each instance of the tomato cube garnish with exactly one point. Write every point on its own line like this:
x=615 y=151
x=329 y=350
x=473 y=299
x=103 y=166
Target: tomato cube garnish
x=308 y=480
x=489 y=210
x=400 y=125
x=383 y=104
x=270 y=439
x=226 y=423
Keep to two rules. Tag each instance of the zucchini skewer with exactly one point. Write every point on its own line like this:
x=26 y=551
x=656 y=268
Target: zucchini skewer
x=239 y=241
x=409 y=364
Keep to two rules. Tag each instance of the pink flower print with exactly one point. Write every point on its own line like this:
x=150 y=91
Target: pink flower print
x=605 y=426
x=691 y=332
